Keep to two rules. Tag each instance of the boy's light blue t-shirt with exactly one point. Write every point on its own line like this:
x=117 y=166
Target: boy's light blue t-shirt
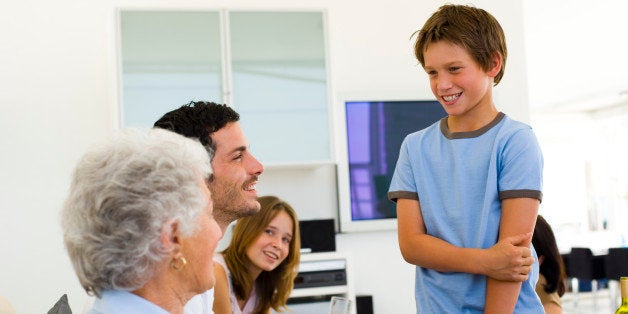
x=460 y=180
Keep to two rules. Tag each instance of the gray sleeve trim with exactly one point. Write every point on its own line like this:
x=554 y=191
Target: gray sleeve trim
x=520 y=193
x=394 y=195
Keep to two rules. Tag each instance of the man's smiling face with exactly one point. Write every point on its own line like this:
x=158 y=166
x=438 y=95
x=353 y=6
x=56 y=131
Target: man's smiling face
x=236 y=172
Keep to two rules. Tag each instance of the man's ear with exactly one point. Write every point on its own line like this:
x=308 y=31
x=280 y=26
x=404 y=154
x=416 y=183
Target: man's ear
x=170 y=237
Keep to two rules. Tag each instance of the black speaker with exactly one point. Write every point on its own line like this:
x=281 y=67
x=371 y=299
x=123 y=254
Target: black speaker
x=318 y=235
x=364 y=304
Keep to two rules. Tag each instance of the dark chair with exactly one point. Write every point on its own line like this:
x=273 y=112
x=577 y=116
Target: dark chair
x=616 y=265
x=583 y=265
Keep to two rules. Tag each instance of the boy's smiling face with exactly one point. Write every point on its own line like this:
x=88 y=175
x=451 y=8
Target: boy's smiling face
x=459 y=83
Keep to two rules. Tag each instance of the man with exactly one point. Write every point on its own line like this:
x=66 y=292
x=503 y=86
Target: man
x=236 y=170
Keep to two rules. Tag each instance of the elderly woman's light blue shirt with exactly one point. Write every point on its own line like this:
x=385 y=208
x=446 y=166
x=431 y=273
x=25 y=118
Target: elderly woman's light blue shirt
x=119 y=301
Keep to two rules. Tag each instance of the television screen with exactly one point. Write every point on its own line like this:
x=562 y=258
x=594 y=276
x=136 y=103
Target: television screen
x=374 y=132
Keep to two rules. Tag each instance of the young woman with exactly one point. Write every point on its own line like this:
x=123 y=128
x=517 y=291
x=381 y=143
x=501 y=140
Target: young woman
x=551 y=284
x=256 y=271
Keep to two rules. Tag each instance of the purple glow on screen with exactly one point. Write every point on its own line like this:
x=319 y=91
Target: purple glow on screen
x=375 y=130
x=359 y=132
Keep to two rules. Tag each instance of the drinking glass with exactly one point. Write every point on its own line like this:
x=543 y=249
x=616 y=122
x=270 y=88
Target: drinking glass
x=339 y=305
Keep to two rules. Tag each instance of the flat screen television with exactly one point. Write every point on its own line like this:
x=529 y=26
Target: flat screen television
x=369 y=136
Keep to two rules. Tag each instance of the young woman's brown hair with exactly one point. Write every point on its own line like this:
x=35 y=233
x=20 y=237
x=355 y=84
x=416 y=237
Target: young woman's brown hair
x=552 y=266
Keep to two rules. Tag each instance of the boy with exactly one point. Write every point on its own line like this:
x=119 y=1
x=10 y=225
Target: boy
x=468 y=187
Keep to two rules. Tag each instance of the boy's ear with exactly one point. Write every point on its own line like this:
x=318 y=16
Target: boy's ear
x=496 y=65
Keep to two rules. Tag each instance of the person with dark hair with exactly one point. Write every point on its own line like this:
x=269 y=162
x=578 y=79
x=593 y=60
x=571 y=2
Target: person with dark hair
x=138 y=223
x=198 y=119
x=551 y=284
x=256 y=271
x=468 y=187
x=236 y=170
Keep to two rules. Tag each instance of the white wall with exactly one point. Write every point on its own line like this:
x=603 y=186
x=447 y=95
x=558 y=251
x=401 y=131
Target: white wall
x=57 y=94
x=579 y=101
x=577 y=49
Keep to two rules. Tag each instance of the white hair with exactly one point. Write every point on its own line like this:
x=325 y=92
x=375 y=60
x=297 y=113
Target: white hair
x=123 y=192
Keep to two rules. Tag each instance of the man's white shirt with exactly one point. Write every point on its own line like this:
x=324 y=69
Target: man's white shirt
x=201 y=303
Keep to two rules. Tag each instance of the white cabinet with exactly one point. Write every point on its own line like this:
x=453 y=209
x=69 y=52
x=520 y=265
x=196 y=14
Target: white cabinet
x=166 y=59
x=270 y=66
x=279 y=82
x=321 y=269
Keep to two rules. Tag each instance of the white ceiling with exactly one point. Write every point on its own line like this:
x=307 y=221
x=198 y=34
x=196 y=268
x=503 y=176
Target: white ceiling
x=576 y=53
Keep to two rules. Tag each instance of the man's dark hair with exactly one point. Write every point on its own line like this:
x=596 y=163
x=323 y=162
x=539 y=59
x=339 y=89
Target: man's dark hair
x=198 y=119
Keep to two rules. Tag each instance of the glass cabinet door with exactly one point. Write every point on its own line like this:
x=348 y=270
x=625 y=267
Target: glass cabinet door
x=274 y=72
x=280 y=84
x=168 y=59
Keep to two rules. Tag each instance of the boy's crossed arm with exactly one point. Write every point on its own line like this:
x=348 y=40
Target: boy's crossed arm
x=509 y=259
x=518 y=215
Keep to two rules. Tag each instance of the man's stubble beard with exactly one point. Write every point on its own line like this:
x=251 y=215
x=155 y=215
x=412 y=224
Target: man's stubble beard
x=230 y=204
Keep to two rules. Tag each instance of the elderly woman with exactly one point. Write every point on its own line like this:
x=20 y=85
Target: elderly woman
x=138 y=223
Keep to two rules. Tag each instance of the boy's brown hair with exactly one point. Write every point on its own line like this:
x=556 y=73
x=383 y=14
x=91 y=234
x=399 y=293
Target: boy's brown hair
x=473 y=29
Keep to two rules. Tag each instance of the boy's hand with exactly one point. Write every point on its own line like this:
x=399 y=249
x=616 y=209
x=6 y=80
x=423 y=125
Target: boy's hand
x=509 y=259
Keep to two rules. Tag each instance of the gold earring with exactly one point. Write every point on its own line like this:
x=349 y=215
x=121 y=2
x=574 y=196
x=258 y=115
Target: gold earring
x=178 y=263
